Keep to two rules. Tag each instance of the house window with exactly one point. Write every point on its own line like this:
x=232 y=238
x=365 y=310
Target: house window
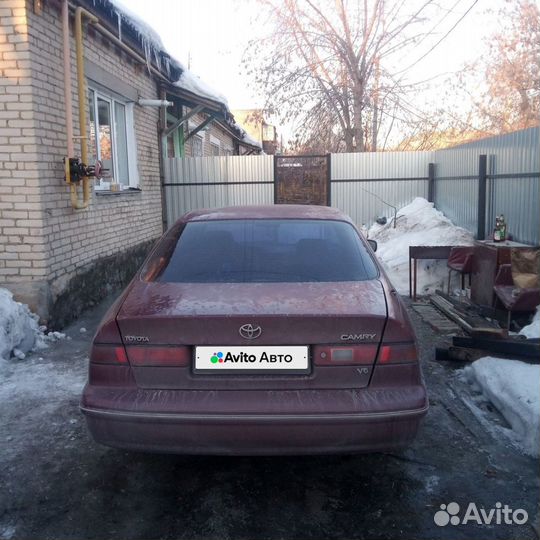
x=196 y=146
x=269 y=132
x=112 y=140
x=215 y=146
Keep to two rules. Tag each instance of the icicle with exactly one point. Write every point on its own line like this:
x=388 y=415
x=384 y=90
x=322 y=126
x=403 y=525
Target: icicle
x=119 y=18
x=157 y=58
x=168 y=67
x=147 y=51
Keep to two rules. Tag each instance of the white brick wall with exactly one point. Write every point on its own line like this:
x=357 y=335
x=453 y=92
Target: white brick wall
x=23 y=251
x=42 y=237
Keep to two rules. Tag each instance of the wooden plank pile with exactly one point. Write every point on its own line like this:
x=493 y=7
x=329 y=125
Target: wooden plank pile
x=486 y=337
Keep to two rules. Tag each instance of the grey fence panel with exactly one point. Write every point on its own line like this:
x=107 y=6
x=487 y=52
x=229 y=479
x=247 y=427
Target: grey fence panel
x=213 y=182
x=518 y=199
x=516 y=152
x=456 y=186
x=375 y=165
x=367 y=185
x=457 y=199
x=365 y=201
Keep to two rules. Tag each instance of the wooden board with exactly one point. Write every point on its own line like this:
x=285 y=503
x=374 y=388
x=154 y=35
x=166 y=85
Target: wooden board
x=470 y=322
x=509 y=347
x=434 y=318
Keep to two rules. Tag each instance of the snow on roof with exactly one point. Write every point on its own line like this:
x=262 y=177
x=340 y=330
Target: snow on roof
x=143 y=29
x=152 y=44
x=248 y=138
x=153 y=47
x=192 y=83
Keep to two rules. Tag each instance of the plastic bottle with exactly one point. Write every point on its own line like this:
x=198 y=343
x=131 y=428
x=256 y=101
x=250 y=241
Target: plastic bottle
x=502 y=228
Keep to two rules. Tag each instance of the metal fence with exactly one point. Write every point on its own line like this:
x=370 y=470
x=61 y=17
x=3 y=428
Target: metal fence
x=371 y=184
x=213 y=182
x=368 y=185
x=512 y=183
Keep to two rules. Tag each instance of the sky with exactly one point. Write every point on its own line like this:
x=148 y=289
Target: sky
x=211 y=36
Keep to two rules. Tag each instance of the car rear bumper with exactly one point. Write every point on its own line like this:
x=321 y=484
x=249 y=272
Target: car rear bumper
x=271 y=433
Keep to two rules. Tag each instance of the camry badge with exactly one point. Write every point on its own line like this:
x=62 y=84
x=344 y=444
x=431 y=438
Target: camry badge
x=248 y=331
x=357 y=337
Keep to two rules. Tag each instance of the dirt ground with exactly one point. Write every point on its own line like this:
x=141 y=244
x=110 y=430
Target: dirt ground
x=57 y=483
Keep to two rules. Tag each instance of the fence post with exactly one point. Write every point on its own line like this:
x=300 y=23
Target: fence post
x=431 y=182
x=275 y=179
x=328 y=179
x=482 y=182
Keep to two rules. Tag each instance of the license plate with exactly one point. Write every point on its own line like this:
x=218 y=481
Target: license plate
x=287 y=359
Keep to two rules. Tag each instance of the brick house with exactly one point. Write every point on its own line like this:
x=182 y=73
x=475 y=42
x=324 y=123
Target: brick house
x=255 y=123
x=54 y=257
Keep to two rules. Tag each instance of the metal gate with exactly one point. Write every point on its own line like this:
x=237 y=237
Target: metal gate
x=302 y=180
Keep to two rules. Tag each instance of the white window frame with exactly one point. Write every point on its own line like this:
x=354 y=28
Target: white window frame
x=131 y=144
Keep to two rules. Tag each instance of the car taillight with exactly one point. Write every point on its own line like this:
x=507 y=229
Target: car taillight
x=158 y=356
x=108 y=354
x=107 y=347
x=398 y=353
x=337 y=355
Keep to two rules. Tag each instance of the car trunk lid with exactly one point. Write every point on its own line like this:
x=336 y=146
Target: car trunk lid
x=310 y=314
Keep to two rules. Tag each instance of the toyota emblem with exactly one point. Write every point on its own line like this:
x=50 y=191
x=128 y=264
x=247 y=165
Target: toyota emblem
x=248 y=331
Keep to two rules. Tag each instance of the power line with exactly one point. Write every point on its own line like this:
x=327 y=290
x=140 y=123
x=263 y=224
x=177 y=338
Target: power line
x=440 y=40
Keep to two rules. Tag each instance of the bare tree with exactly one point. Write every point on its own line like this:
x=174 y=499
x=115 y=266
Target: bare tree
x=511 y=71
x=325 y=66
x=497 y=93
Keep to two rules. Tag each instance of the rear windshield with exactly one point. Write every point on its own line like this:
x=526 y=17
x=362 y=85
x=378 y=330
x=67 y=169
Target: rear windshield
x=266 y=250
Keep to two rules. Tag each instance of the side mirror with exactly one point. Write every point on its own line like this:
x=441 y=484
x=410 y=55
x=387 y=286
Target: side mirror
x=373 y=244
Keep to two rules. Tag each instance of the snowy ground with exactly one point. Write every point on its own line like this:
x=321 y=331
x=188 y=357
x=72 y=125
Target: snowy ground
x=57 y=483
x=417 y=224
x=513 y=387
x=532 y=330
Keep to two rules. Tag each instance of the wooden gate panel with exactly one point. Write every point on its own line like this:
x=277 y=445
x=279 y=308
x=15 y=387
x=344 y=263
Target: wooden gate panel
x=302 y=180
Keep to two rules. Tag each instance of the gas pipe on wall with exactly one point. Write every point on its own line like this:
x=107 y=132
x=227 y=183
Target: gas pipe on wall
x=76 y=170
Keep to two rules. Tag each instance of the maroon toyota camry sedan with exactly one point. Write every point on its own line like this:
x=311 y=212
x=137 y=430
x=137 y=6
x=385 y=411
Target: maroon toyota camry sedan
x=257 y=330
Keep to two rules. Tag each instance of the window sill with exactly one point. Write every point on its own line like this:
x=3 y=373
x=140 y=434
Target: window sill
x=108 y=192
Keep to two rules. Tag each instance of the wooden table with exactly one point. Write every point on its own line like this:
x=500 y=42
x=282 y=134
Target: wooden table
x=423 y=252
x=488 y=256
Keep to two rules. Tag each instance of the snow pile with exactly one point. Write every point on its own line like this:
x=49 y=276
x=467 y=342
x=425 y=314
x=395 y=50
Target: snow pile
x=417 y=224
x=19 y=328
x=20 y=332
x=532 y=331
x=512 y=386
